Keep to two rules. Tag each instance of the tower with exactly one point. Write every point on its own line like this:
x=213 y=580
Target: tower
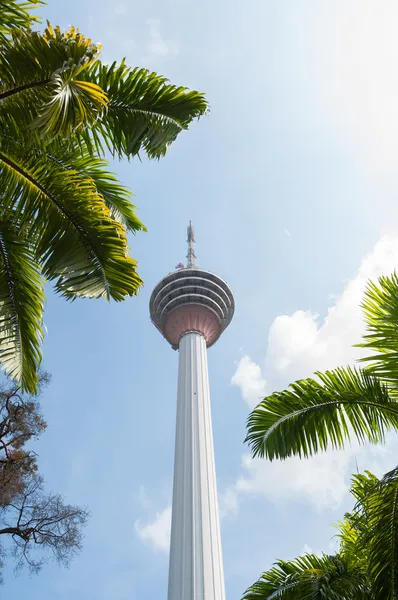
x=191 y=308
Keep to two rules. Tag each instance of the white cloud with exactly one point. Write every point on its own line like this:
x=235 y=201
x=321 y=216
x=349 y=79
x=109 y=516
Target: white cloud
x=158 y=46
x=298 y=345
x=249 y=379
x=302 y=343
x=157 y=532
x=319 y=481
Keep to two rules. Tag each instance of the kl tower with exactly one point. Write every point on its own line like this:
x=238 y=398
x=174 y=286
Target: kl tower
x=191 y=308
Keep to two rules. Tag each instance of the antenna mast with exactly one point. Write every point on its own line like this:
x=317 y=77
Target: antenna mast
x=191 y=256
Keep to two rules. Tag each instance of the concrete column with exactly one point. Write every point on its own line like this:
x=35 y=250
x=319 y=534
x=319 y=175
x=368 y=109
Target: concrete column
x=196 y=567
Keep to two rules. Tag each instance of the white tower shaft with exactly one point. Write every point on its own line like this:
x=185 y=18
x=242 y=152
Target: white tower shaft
x=196 y=568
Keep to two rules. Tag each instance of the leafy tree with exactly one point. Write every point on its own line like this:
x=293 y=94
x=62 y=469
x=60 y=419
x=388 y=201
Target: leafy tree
x=35 y=525
x=344 y=404
x=64 y=216
x=348 y=575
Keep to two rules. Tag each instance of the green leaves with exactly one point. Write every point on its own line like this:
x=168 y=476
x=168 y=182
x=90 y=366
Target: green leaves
x=311 y=577
x=21 y=306
x=50 y=65
x=77 y=240
x=310 y=416
x=15 y=14
x=380 y=307
x=69 y=104
x=346 y=576
x=145 y=112
x=378 y=501
x=346 y=403
x=60 y=110
x=115 y=195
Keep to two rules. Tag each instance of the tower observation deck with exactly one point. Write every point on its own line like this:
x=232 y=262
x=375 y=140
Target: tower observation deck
x=191 y=307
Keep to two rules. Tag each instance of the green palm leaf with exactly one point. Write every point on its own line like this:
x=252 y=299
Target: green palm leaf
x=380 y=306
x=21 y=306
x=145 y=112
x=311 y=415
x=15 y=14
x=115 y=195
x=378 y=500
x=41 y=85
x=78 y=242
x=60 y=109
x=311 y=577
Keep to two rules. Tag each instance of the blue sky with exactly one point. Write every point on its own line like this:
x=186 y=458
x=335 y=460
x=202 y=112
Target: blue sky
x=291 y=184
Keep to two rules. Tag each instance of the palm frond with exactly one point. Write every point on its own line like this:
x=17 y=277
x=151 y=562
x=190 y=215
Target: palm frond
x=380 y=307
x=79 y=243
x=41 y=75
x=379 y=502
x=352 y=533
x=31 y=56
x=15 y=14
x=21 y=306
x=69 y=104
x=312 y=415
x=311 y=577
x=115 y=195
x=145 y=112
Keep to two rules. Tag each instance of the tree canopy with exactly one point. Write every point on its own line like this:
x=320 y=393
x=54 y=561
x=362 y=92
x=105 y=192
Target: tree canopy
x=365 y=564
x=315 y=414
x=64 y=216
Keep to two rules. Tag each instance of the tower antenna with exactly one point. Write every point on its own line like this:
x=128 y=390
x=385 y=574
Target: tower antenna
x=191 y=256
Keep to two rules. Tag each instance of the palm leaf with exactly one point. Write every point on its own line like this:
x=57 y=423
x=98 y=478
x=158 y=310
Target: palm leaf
x=145 y=112
x=312 y=415
x=311 y=577
x=380 y=307
x=41 y=86
x=57 y=78
x=79 y=243
x=115 y=195
x=15 y=14
x=69 y=104
x=21 y=307
x=379 y=502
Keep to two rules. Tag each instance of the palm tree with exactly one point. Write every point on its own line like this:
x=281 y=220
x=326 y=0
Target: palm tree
x=362 y=567
x=64 y=217
x=344 y=404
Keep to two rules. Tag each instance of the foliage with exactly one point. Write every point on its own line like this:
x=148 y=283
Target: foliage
x=380 y=308
x=35 y=524
x=14 y=14
x=346 y=576
x=312 y=415
x=344 y=404
x=311 y=577
x=64 y=216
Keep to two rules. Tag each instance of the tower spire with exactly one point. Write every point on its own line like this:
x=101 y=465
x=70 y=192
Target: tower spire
x=191 y=256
